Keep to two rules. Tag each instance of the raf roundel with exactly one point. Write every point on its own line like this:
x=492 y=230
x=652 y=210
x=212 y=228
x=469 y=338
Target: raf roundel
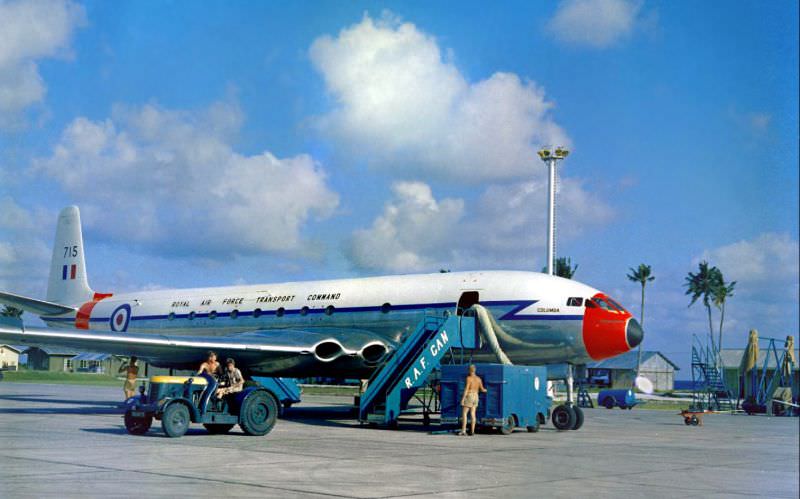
x=120 y=318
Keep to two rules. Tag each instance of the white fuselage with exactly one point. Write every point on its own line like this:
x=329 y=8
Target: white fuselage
x=531 y=307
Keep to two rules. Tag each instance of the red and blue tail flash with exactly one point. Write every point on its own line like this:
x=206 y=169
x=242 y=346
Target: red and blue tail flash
x=73 y=269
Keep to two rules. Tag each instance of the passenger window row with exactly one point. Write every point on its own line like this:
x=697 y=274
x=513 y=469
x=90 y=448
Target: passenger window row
x=329 y=310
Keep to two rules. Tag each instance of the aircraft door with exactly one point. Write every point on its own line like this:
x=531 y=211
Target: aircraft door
x=468 y=299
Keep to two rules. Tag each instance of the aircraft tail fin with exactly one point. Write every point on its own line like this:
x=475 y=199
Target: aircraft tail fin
x=68 y=283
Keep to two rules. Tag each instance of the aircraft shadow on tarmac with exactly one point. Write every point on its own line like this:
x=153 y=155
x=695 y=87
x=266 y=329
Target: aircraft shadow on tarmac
x=155 y=431
x=84 y=406
x=329 y=416
x=346 y=417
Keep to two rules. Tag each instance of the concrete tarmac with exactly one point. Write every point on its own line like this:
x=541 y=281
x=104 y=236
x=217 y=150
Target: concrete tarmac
x=69 y=441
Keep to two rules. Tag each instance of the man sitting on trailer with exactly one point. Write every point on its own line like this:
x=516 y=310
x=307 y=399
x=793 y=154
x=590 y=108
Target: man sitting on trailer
x=232 y=380
x=469 y=401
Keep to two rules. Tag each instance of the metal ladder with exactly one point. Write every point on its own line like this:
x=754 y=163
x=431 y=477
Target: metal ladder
x=709 y=390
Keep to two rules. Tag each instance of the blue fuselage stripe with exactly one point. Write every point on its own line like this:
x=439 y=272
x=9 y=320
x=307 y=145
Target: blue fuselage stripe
x=510 y=315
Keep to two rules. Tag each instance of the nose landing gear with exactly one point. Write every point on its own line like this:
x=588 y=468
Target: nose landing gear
x=568 y=416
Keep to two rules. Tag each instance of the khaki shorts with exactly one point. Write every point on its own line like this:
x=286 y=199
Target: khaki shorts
x=130 y=385
x=470 y=400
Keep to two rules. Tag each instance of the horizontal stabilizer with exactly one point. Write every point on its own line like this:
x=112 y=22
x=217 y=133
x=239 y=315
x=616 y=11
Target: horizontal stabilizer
x=38 y=307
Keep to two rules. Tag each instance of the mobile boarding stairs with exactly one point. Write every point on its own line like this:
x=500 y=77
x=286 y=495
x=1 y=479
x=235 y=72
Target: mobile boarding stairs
x=393 y=386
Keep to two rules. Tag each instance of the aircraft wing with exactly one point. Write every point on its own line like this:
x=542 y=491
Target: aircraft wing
x=38 y=307
x=284 y=352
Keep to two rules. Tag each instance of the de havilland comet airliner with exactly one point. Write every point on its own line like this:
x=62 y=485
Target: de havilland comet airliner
x=343 y=327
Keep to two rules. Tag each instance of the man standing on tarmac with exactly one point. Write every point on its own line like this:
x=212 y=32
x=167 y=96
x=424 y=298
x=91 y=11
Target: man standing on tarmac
x=469 y=401
x=131 y=371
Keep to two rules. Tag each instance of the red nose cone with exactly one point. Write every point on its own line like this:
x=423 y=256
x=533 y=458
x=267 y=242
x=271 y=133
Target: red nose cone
x=604 y=328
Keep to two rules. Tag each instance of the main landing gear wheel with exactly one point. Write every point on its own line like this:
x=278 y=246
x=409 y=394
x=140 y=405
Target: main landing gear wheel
x=175 y=420
x=563 y=417
x=578 y=417
x=218 y=429
x=259 y=412
x=137 y=425
x=508 y=427
x=695 y=421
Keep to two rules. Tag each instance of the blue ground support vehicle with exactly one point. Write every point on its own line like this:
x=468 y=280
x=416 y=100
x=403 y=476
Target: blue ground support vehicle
x=516 y=397
x=285 y=390
x=624 y=399
x=178 y=401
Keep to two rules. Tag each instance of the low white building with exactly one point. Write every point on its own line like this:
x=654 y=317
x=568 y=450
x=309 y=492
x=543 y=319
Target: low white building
x=619 y=371
x=9 y=357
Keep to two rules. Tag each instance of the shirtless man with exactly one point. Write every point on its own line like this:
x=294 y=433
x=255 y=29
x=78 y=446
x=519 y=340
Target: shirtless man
x=234 y=380
x=469 y=401
x=131 y=371
x=210 y=366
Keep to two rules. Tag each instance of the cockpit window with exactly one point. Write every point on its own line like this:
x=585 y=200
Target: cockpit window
x=617 y=305
x=574 y=302
x=590 y=304
x=603 y=304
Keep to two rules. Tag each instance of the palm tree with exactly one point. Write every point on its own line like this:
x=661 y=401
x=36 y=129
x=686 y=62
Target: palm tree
x=642 y=275
x=719 y=294
x=9 y=311
x=700 y=285
x=563 y=267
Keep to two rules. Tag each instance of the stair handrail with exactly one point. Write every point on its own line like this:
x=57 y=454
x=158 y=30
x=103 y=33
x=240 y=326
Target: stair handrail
x=378 y=382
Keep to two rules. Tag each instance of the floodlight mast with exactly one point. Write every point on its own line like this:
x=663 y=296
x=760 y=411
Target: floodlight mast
x=551 y=158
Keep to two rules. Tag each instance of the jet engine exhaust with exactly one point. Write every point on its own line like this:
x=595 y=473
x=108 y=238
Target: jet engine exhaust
x=328 y=350
x=373 y=353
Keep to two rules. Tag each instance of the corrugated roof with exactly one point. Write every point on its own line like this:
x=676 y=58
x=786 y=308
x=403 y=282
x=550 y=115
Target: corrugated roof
x=628 y=360
x=92 y=356
x=732 y=357
x=53 y=350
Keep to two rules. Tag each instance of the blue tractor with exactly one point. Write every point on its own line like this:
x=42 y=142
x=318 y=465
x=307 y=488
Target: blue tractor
x=178 y=401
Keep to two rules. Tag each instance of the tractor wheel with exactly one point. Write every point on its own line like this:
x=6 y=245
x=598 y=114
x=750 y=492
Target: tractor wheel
x=258 y=414
x=563 y=417
x=608 y=402
x=695 y=421
x=508 y=426
x=137 y=425
x=218 y=429
x=578 y=417
x=175 y=420
x=687 y=421
x=534 y=427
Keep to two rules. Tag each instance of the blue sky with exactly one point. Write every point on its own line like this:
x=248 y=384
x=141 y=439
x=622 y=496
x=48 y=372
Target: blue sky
x=214 y=144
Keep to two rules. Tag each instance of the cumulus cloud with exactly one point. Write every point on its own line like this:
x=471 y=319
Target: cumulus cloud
x=31 y=30
x=416 y=232
x=768 y=258
x=170 y=179
x=408 y=109
x=594 y=23
x=513 y=218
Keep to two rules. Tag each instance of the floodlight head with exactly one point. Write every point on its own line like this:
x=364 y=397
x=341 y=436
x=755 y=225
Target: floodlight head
x=561 y=153
x=544 y=153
